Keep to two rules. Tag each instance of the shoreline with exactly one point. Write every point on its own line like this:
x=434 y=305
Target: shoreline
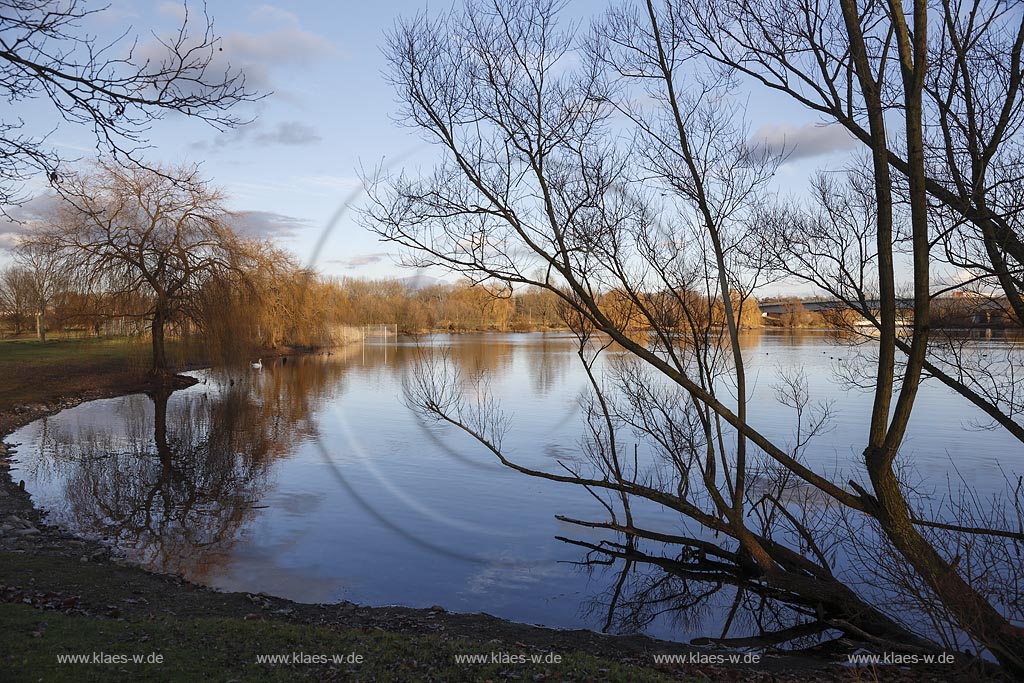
x=51 y=569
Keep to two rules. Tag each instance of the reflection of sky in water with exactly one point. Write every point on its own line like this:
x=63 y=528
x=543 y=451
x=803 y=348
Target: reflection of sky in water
x=360 y=500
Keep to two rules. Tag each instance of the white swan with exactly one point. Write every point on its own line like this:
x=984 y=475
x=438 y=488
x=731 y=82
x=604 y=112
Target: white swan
x=258 y=364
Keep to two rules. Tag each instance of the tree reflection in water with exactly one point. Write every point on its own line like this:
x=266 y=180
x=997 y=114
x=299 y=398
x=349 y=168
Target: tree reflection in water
x=702 y=601
x=174 y=482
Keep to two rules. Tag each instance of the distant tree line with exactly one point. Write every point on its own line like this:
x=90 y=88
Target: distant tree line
x=134 y=251
x=274 y=301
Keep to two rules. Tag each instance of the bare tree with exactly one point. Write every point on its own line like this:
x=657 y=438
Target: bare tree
x=959 y=62
x=15 y=295
x=117 y=88
x=852 y=66
x=619 y=166
x=46 y=276
x=952 y=71
x=131 y=230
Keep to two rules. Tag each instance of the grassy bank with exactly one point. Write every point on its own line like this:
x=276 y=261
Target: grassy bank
x=37 y=372
x=194 y=649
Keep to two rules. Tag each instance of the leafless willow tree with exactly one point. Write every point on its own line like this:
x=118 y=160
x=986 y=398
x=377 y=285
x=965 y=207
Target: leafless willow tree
x=952 y=173
x=615 y=166
x=44 y=274
x=950 y=73
x=118 y=88
x=130 y=230
x=15 y=295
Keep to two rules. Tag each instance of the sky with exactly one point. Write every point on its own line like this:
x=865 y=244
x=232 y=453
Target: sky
x=328 y=113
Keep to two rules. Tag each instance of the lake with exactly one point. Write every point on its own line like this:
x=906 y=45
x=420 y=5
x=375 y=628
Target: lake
x=312 y=480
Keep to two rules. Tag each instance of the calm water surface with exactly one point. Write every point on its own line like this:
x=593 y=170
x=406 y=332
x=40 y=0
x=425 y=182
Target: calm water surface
x=313 y=481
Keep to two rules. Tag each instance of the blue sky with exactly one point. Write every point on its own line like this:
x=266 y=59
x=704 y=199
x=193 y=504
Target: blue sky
x=329 y=113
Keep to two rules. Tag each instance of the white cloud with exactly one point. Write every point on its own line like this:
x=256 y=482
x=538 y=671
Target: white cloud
x=359 y=260
x=278 y=45
x=22 y=219
x=290 y=133
x=266 y=224
x=258 y=55
x=256 y=132
x=802 y=142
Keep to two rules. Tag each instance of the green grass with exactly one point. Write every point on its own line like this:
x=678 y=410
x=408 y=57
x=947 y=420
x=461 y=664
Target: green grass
x=220 y=649
x=24 y=350
x=34 y=371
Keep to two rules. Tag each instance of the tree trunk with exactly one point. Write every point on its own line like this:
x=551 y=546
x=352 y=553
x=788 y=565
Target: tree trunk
x=159 y=350
x=971 y=610
x=40 y=326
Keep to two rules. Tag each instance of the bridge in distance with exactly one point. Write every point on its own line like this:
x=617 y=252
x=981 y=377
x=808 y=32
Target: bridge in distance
x=780 y=307
x=978 y=309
